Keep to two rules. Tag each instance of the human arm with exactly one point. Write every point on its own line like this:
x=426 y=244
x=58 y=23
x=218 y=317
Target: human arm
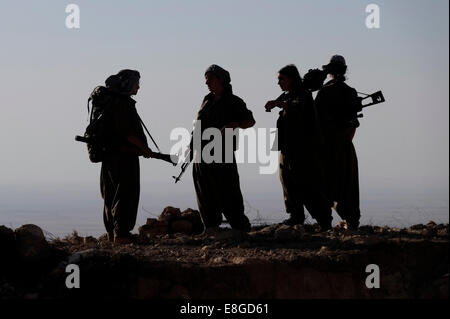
x=142 y=147
x=241 y=116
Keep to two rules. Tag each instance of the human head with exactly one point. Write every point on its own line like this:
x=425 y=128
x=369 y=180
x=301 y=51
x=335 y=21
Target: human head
x=125 y=82
x=218 y=79
x=337 y=67
x=289 y=78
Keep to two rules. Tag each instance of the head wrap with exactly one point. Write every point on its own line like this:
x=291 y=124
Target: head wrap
x=292 y=73
x=220 y=73
x=337 y=65
x=123 y=82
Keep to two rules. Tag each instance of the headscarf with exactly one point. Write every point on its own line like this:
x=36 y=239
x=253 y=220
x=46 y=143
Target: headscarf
x=337 y=66
x=292 y=73
x=123 y=82
x=222 y=75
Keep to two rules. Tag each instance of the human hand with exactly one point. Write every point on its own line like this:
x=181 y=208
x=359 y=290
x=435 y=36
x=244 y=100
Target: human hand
x=270 y=105
x=147 y=153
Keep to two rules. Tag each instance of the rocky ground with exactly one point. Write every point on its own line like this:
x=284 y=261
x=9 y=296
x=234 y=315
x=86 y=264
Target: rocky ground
x=170 y=258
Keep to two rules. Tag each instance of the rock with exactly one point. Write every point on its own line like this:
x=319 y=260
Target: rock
x=377 y=229
x=430 y=224
x=31 y=243
x=299 y=229
x=314 y=228
x=417 y=227
x=169 y=213
x=151 y=221
x=189 y=213
x=218 y=260
x=89 y=240
x=341 y=225
x=429 y=232
x=88 y=254
x=285 y=232
x=181 y=226
x=193 y=216
x=7 y=243
x=74 y=238
x=441 y=226
x=267 y=231
x=366 y=229
x=443 y=231
x=239 y=260
x=156 y=228
x=103 y=238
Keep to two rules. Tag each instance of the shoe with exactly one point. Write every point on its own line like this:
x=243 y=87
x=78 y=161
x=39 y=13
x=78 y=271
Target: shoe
x=352 y=225
x=110 y=237
x=208 y=231
x=243 y=228
x=325 y=227
x=292 y=221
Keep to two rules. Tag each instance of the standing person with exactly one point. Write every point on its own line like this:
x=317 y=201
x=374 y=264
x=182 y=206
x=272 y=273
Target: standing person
x=337 y=106
x=217 y=184
x=301 y=173
x=120 y=176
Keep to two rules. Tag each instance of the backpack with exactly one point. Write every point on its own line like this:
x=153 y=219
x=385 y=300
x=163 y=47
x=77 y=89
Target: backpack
x=99 y=132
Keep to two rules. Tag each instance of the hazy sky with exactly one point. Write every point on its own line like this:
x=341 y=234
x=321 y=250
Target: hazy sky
x=48 y=71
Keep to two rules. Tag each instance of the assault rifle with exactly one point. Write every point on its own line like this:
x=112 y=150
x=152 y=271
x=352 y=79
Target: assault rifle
x=184 y=166
x=160 y=156
x=313 y=81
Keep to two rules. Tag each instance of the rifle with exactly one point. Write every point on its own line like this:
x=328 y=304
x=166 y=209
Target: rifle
x=160 y=156
x=189 y=157
x=375 y=98
x=314 y=78
x=185 y=164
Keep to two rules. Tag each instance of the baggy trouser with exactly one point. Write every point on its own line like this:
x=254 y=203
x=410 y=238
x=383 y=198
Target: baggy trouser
x=120 y=187
x=344 y=179
x=302 y=184
x=218 y=191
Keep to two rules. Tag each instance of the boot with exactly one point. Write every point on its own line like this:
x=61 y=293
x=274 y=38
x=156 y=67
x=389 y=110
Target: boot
x=294 y=220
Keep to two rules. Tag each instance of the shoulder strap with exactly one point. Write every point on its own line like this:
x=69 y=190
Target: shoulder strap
x=145 y=127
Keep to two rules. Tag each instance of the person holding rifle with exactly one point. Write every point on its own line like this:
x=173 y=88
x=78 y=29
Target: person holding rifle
x=120 y=175
x=337 y=106
x=301 y=170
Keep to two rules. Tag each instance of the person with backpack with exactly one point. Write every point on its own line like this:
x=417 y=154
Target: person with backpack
x=337 y=106
x=301 y=172
x=217 y=182
x=126 y=141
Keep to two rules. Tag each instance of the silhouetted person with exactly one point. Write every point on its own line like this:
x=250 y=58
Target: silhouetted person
x=217 y=184
x=120 y=177
x=301 y=171
x=337 y=105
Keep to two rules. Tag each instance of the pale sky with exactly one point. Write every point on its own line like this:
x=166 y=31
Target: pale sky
x=48 y=72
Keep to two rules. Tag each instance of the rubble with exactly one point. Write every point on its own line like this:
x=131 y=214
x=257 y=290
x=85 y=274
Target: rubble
x=172 y=259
